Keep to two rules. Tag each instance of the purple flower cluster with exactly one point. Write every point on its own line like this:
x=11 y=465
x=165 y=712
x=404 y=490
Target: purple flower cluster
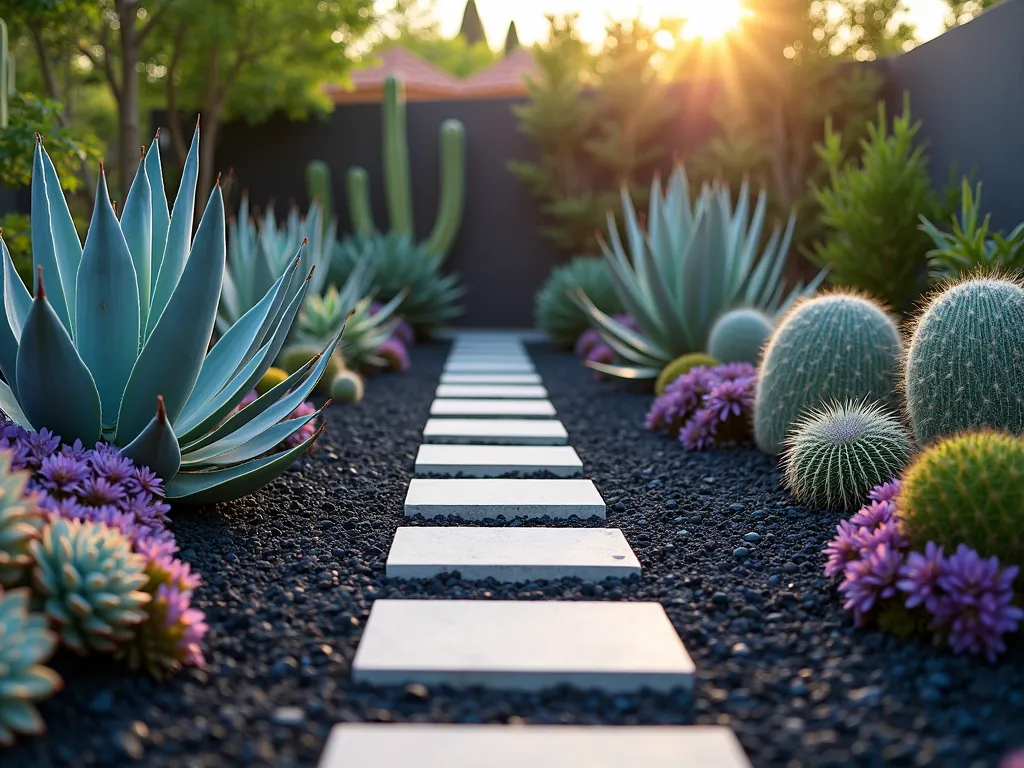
x=395 y=349
x=591 y=348
x=100 y=485
x=967 y=598
x=707 y=406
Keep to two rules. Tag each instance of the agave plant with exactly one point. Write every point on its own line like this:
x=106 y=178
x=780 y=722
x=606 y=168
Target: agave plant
x=258 y=255
x=690 y=265
x=115 y=345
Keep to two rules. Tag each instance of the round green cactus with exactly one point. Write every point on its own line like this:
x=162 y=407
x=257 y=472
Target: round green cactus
x=90 y=582
x=271 y=379
x=965 y=365
x=967 y=489
x=21 y=519
x=837 y=453
x=25 y=643
x=738 y=336
x=347 y=387
x=682 y=365
x=558 y=315
x=294 y=356
x=837 y=346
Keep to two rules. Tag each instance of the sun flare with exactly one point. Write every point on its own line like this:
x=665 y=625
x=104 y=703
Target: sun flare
x=712 y=19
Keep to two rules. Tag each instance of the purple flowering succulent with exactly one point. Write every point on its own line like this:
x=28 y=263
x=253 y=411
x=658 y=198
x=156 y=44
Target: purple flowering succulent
x=396 y=355
x=589 y=339
x=706 y=407
x=968 y=598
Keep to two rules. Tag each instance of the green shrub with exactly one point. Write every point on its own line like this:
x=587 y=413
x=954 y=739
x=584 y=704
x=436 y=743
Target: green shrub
x=872 y=208
x=558 y=315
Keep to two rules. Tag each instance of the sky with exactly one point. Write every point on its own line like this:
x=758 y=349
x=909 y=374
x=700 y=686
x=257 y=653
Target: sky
x=927 y=15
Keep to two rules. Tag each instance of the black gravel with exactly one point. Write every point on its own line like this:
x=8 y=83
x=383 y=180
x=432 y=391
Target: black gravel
x=290 y=574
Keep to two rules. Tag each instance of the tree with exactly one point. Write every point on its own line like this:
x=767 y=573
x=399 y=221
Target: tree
x=962 y=11
x=511 y=38
x=472 y=27
x=412 y=25
x=247 y=60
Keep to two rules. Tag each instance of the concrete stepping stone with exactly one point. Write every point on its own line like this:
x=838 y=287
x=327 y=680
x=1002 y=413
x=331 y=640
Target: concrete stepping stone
x=497 y=460
x=489 y=367
x=487 y=359
x=490 y=378
x=511 y=409
x=431 y=745
x=496 y=431
x=492 y=391
x=511 y=554
x=481 y=498
x=524 y=645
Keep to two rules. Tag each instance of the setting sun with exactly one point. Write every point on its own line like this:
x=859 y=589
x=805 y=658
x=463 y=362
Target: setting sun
x=712 y=20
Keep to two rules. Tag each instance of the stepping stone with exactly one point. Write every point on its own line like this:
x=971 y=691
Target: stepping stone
x=523 y=645
x=463 y=358
x=522 y=409
x=494 y=366
x=511 y=554
x=430 y=745
x=479 y=499
x=496 y=431
x=491 y=391
x=497 y=460
x=490 y=378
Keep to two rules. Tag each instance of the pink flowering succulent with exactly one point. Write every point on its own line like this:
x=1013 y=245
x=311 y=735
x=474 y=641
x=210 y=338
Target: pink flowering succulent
x=707 y=407
x=967 y=600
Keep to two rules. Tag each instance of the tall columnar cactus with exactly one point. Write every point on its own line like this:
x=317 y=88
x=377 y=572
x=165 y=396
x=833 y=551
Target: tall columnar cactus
x=965 y=364
x=398 y=179
x=837 y=346
x=318 y=186
x=6 y=73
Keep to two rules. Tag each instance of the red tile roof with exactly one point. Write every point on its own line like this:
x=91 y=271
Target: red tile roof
x=505 y=78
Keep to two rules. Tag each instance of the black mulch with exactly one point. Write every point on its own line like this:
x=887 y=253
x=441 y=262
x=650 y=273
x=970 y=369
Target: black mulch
x=289 y=576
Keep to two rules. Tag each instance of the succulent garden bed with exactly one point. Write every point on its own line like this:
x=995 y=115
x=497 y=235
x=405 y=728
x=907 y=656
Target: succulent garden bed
x=778 y=658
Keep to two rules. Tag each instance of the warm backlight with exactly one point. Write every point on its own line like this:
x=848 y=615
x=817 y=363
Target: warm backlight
x=712 y=19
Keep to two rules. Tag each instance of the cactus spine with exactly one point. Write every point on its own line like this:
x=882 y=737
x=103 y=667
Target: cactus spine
x=837 y=346
x=738 y=336
x=965 y=364
x=398 y=178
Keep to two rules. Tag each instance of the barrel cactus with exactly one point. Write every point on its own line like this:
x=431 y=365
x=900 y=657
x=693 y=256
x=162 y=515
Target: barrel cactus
x=965 y=364
x=90 y=582
x=967 y=489
x=25 y=643
x=837 y=346
x=21 y=519
x=835 y=454
x=739 y=335
x=681 y=365
x=347 y=387
x=558 y=315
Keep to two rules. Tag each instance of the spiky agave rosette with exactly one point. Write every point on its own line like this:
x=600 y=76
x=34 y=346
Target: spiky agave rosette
x=115 y=344
x=706 y=407
x=303 y=411
x=963 y=599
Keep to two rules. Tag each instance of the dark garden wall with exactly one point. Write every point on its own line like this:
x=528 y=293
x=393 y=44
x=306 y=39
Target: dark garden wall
x=967 y=88
x=499 y=252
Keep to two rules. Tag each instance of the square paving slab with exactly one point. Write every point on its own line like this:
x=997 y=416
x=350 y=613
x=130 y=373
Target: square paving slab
x=514 y=366
x=479 y=499
x=497 y=460
x=511 y=409
x=490 y=378
x=496 y=431
x=511 y=554
x=525 y=645
x=489 y=391
x=428 y=745
x=487 y=360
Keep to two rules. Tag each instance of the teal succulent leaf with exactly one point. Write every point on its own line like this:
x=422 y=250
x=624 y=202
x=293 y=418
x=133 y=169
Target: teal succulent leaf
x=623 y=371
x=67 y=248
x=156 y=446
x=230 y=483
x=17 y=302
x=179 y=238
x=237 y=450
x=43 y=243
x=161 y=213
x=173 y=355
x=137 y=226
x=10 y=406
x=52 y=376
x=107 y=306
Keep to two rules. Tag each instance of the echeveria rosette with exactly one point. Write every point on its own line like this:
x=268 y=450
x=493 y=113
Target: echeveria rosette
x=707 y=407
x=963 y=599
x=25 y=645
x=21 y=519
x=114 y=344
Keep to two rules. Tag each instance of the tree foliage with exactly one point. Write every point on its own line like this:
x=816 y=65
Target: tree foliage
x=597 y=119
x=411 y=24
x=962 y=11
